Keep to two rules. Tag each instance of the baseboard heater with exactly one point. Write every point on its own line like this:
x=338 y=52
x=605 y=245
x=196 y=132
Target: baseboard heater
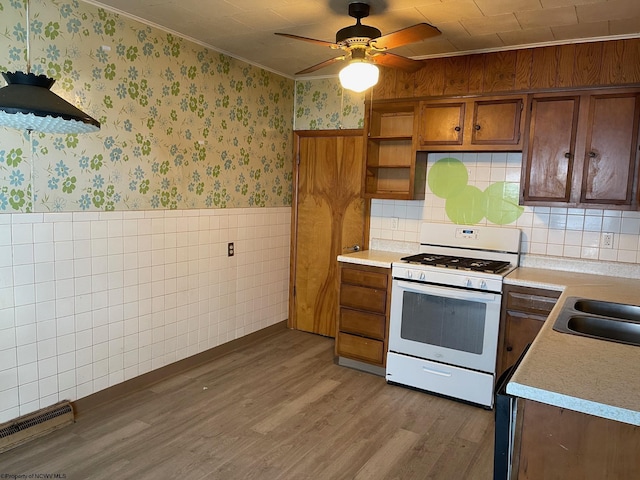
x=34 y=425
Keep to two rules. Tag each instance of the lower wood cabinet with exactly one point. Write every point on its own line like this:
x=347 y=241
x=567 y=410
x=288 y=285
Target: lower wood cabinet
x=363 y=314
x=361 y=348
x=523 y=312
x=556 y=443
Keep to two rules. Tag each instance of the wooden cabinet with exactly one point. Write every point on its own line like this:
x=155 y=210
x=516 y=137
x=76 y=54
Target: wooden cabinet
x=581 y=149
x=363 y=314
x=441 y=123
x=550 y=151
x=480 y=124
x=392 y=169
x=611 y=149
x=556 y=443
x=523 y=312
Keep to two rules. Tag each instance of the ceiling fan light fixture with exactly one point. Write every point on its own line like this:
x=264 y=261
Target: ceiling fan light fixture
x=27 y=103
x=359 y=75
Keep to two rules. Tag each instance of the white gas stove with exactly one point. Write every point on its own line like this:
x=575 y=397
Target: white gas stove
x=445 y=310
x=461 y=256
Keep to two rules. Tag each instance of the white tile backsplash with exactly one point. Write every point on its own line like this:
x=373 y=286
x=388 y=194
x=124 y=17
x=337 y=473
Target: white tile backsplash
x=90 y=299
x=569 y=233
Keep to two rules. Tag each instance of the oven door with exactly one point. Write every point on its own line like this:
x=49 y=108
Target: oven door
x=443 y=324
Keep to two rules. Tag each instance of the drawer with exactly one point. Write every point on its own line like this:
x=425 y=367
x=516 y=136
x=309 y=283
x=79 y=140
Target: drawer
x=360 y=348
x=363 y=298
x=363 y=323
x=456 y=382
x=534 y=302
x=365 y=278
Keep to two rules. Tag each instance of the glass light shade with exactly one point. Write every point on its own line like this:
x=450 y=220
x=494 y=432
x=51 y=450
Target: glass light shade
x=359 y=76
x=27 y=103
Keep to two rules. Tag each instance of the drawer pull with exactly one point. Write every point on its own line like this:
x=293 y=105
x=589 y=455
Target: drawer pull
x=436 y=372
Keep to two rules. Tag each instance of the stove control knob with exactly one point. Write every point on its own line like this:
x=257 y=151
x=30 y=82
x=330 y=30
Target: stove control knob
x=483 y=284
x=468 y=282
x=409 y=274
x=423 y=276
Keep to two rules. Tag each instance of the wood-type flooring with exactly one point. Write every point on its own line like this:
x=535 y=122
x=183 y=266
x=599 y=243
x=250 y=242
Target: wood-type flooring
x=279 y=409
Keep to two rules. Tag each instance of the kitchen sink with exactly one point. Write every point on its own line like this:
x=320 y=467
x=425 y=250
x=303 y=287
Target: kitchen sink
x=615 y=322
x=608 y=309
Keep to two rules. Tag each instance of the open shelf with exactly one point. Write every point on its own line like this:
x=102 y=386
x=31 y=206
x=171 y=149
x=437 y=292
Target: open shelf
x=391 y=154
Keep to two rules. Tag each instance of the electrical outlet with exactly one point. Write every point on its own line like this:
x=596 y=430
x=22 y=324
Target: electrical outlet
x=394 y=223
x=606 y=241
x=230 y=249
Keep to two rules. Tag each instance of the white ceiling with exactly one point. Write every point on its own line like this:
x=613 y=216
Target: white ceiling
x=245 y=28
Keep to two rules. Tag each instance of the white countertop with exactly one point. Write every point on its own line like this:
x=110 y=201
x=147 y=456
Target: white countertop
x=591 y=376
x=373 y=258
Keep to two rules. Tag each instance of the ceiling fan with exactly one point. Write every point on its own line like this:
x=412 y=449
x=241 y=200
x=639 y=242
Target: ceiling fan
x=365 y=46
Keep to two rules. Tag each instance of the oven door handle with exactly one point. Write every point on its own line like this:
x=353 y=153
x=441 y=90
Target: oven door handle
x=470 y=295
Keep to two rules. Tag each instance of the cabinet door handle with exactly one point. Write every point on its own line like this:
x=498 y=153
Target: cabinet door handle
x=477 y=127
x=457 y=128
x=509 y=349
x=593 y=154
x=354 y=248
x=567 y=155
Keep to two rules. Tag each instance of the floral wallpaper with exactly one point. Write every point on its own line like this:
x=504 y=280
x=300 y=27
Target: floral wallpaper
x=182 y=126
x=322 y=104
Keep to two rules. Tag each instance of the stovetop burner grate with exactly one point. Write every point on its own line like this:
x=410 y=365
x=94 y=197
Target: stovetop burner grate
x=458 y=263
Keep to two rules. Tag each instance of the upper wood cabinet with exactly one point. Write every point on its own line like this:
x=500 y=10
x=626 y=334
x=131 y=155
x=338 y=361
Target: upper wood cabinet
x=550 y=149
x=441 y=123
x=581 y=149
x=480 y=124
x=392 y=168
x=611 y=149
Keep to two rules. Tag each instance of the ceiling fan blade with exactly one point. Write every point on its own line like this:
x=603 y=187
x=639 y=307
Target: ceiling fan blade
x=311 y=40
x=420 y=31
x=396 y=61
x=320 y=65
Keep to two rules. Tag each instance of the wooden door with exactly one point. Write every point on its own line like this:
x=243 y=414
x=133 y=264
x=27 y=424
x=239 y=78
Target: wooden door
x=496 y=122
x=610 y=153
x=559 y=443
x=521 y=329
x=524 y=310
x=550 y=150
x=328 y=219
x=441 y=124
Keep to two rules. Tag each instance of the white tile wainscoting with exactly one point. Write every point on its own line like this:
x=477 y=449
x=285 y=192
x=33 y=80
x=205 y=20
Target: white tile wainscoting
x=568 y=233
x=89 y=300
